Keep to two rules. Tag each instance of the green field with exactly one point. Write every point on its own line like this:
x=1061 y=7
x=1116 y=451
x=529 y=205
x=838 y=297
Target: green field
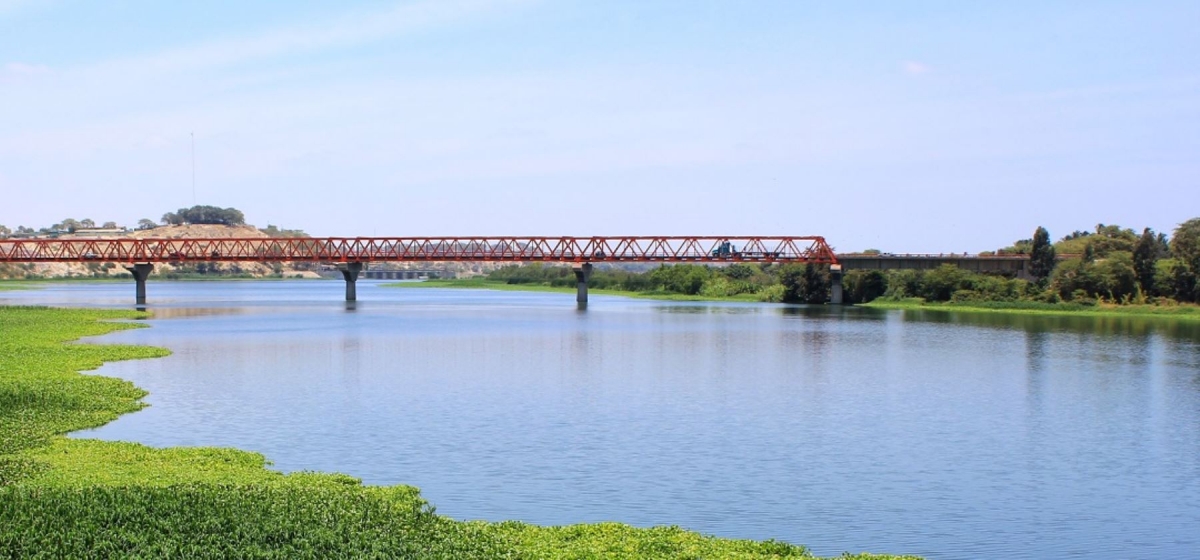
x=74 y=498
x=483 y=284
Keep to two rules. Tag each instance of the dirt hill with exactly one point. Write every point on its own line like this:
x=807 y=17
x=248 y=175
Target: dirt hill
x=102 y=270
x=203 y=231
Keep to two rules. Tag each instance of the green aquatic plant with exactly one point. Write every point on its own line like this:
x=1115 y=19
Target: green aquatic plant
x=78 y=498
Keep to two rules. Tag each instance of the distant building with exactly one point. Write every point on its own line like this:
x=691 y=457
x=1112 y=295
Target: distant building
x=100 y=232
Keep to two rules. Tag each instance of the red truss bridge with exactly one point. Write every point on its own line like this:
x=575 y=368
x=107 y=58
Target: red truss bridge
x=415 y=249
x=350 y=254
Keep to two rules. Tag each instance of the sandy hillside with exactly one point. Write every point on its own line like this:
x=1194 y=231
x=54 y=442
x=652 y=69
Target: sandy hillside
x=204 y=231
x=98 y=269
x=198 y=231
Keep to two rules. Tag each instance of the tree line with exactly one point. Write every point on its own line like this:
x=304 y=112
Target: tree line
x=195 y=215
x=205 y=215
x=1110 y=264
x=791 y=283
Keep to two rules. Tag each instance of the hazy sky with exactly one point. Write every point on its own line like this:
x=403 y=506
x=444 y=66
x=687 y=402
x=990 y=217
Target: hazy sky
x=903 y=126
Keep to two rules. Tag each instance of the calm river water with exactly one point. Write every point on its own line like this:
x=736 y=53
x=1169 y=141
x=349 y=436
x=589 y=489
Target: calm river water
x=843 y=429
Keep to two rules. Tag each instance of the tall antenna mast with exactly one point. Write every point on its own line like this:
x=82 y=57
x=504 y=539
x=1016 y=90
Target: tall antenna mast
x=193 y=168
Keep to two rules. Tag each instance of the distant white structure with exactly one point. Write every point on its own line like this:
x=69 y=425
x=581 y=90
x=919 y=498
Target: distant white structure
x=100 y=232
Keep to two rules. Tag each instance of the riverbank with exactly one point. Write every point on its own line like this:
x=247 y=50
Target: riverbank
x=483 y=284
x=62 y=497
x=1175 y=312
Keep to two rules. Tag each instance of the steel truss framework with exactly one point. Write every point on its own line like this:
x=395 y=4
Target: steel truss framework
x=711 y=249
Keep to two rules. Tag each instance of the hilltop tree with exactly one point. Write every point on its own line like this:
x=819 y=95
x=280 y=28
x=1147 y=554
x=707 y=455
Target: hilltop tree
x=146 y=223
x=87 y=223
x=109 y=225
x=205 y=215
x=1020 y=247
x=69 y=225
x=1145 y=257
x=1041 y=255
x=1111 y=239
x=4 y=231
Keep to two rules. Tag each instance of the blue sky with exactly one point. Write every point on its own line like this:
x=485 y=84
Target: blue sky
x=904 y=126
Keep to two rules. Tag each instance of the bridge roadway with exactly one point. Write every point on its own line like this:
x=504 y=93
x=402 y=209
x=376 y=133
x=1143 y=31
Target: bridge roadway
x=351 y=255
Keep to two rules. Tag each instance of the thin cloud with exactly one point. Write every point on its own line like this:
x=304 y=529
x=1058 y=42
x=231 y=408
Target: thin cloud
x=350 y=30
x=22 y=69
x=1184 y=84
x=7 y=6
x=914 y=68
x=15 y=72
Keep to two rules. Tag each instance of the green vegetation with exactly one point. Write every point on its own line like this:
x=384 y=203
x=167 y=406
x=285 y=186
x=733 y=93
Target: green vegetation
x=1113 y=270
x=195 y=215
x=1041 y=255
x=69 y=498
x=1187 y=313
x=205 y=215
x=276 y=231
x=738 y=282
x=486 y=284
x=69 y=225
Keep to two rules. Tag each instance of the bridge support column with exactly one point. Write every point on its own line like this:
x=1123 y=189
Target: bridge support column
x=140 y=272
x=350 y=272
x=835 y=283
x=583 y=273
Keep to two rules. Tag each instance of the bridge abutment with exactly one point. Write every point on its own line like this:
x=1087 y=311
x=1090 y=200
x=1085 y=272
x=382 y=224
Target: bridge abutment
x=583 y=273
x=835 y=284
x=140 y=272
x=350 y=272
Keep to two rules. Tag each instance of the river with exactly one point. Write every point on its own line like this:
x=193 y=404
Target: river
x=948 y=435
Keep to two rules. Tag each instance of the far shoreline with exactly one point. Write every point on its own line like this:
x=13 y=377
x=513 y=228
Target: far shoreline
x=475 y=284
x=1135 y=311
x=1145 y=311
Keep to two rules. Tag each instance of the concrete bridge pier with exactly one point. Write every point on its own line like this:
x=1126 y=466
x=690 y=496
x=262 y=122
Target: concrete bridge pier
x=350 y=272
x=835 y=283
x=583 y=273
x=140 y=272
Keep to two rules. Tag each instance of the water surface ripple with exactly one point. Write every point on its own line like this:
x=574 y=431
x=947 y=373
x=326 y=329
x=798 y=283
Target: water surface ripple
x=944 y=435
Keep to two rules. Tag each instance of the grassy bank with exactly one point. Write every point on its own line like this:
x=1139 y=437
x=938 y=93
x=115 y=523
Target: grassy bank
x=484 y=284
x=1179 y=312
x=67 y=498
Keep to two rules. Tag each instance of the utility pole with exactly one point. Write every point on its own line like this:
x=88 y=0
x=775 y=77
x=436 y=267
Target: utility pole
x=193 y=168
